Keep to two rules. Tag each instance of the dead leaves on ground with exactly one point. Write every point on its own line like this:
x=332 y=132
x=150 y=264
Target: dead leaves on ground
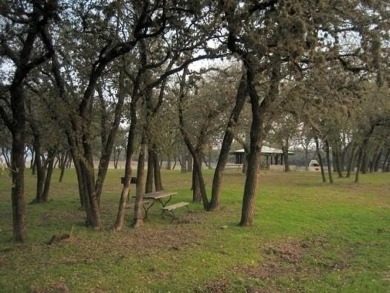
x=293 y=260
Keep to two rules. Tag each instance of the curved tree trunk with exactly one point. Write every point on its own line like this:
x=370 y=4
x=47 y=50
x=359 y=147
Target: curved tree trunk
x=124 y=197
x=198 y=184
x=351 y=160
x=259 y=107
x=196 y=153
x=226 y=143
x=256 y=139
x=320 y=161
x=248 y=201
x=83 y=161
x=63 y=160
x=25 y=59
x=92 y=209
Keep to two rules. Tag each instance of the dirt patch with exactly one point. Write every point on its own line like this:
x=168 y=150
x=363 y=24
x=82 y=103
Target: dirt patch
x=52 y=288
x=282 y=261
x=279 y=261
x=291 y=261
x=218 y=286
x=189 y=219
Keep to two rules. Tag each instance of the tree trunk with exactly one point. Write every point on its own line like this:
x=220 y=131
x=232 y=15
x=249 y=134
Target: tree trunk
x=196 y=154
x=18 y=131
x=245 y=162
x=41 y=175
x=123 y=200
x=226 y=143
x=169 y=163
x=337 y=163
x=306 y=158
x=63 y=161
x=124 y=197
x=327 y=153
x=386 y=162
x=81 y=186
x=32 y=162
x=82 y=152
x=320 y=159
x=183 y=163
x=83 y=160
x=251 y=181
x=376 y=160
x=92 y=209
x=108 y=144
x=359 y=164
x=364 y=163
x=363 y=151
x=286 y=160
x=258 y=108
x=49 y=173
x=157 y=173
x=117 y=153
x=150 y=171
x=196 y=185
x=17 y=169
x=351 y=160
x=138 y=220
x=197 y=159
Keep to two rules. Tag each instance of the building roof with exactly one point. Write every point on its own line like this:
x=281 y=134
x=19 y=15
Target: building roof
x=265 y=150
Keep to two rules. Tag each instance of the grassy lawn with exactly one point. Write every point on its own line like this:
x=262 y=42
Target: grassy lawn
x=307 y=237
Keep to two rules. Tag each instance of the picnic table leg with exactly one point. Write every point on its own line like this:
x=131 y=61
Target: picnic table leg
x=146 y=209
x=165 y=203
x=169 y=213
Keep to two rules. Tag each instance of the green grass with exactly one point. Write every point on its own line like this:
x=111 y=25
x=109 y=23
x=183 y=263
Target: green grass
x=307 y=237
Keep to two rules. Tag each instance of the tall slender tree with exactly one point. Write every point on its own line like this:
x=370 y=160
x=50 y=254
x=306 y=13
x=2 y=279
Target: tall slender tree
x=23 y=25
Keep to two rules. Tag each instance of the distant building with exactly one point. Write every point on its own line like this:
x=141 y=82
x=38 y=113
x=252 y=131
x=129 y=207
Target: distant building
x=314 y=166
x=269 y=156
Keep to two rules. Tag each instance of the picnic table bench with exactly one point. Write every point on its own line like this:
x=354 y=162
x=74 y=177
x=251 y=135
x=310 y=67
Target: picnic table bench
x=163 y=197
x=170 y=210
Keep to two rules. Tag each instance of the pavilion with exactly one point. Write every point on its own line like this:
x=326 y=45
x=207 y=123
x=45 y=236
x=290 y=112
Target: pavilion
x=270 y=156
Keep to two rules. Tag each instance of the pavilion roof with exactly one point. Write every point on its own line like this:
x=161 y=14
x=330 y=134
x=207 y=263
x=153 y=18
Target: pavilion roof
x=265 y=150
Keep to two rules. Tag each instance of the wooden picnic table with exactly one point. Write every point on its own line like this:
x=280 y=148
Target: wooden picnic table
x=163 y=197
